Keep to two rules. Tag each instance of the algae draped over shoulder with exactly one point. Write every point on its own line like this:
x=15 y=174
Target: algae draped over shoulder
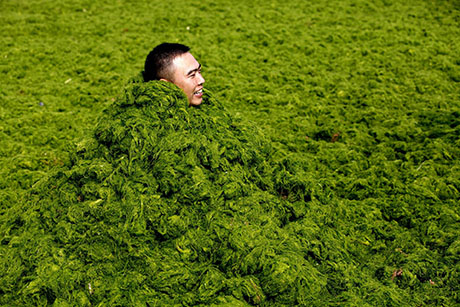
x=165 y=203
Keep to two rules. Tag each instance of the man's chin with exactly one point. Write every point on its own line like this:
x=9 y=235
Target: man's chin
x=196 y=101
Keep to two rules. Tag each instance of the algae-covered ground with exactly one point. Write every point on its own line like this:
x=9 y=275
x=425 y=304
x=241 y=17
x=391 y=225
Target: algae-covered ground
x=324 y=170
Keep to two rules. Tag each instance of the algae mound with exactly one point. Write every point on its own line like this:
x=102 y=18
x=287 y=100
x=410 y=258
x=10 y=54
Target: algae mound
x=164 y=204
x=170 y=205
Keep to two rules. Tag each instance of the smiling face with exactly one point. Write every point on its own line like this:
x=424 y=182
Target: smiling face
x=187 y=76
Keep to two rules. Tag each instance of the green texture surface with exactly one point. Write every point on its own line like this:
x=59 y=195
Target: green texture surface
x=323 y=168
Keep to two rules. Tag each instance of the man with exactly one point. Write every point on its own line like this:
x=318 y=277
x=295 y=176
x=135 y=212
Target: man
x=174 y=63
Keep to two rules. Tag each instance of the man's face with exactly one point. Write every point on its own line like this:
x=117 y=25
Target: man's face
x=187 y=76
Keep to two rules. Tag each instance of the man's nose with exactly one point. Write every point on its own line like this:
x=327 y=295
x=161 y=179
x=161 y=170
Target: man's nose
x=200 y=79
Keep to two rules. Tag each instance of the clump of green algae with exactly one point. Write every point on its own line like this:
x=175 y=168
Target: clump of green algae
x=384 y=197
x=167 y=204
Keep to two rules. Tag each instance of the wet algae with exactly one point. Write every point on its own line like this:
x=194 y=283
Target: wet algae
x=167 y=204
x=171 y=205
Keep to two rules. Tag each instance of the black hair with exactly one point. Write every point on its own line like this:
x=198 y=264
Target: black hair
x=158 y=62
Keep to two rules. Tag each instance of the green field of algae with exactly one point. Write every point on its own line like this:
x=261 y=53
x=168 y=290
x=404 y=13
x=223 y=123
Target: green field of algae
x=322 y=169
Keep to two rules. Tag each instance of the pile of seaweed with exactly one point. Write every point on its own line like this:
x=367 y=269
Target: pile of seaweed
x=167 y=204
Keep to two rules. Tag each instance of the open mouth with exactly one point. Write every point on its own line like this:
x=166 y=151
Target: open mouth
x=199 y=93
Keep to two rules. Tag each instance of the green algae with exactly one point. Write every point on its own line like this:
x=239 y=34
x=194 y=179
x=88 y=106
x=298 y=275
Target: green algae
x=168 y=204
x=358 y=100
x=174 y=204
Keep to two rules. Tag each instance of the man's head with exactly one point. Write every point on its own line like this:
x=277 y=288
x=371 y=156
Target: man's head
x=174 y=63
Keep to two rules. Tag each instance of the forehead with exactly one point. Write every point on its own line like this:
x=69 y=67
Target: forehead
x=185 y=63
